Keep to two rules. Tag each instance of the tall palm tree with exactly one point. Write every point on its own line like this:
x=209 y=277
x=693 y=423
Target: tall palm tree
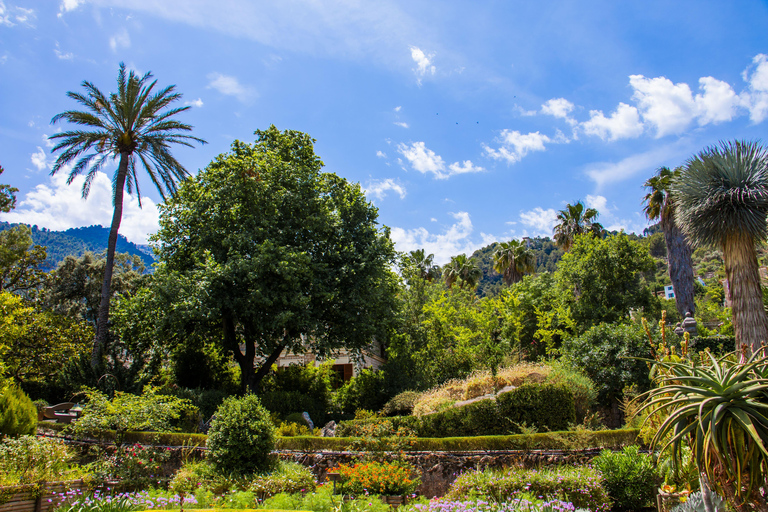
x=135 y=123
x=575 y=220
x=660 y=205
x=721 y=200
x=513 y=260
x=423 y=264
x=462 y=270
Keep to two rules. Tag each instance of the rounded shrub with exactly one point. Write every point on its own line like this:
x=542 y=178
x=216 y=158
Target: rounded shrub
x=241 y=437
x=629 y=477
x=18 y=415
x=401 y=405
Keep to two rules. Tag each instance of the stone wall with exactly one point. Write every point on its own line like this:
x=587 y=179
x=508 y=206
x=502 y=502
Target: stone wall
x=440 y=469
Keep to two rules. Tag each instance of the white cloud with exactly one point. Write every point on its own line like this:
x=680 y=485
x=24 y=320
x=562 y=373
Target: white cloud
x=398 y=108
x=541 y=221
x=598 y=202
x=63 y=56
x=379 y=189
x=195 y=103
x=10 y=16
x=718 y=103
x=120 y=40
x=455 y=239
x=756 y=96
x=425 y=161
x=381 y=154
x=47 y=141
x=623 y=123
x=39 y=159
x=423 y=62
x=515 y=145
x=667 y=106
x=59 y=206
x=401 y=124
x=69 y=5
x=603 y=173
x=560 y=108
x=230 y=86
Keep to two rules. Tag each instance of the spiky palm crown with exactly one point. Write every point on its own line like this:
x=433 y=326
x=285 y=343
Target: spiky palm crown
x=659 y=203
x=513 y=259
x=723 y=192
x=135 y=122
x=575 y=220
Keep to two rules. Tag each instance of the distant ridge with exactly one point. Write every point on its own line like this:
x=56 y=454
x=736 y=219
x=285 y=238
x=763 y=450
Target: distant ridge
x=76 y=241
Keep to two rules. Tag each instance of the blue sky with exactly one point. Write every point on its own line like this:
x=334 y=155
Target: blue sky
x=465 y=122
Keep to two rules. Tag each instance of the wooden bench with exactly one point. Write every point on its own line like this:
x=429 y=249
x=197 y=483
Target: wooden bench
x=61 y=413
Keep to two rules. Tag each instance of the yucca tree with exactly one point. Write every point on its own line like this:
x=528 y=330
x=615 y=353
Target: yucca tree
x=513 y=260
x=722 y=202
x=660 y=205
x=719 y=405
x=462 y=270
x=135 y=126
x=575 y=219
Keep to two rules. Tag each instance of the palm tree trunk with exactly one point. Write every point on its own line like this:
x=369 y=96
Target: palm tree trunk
x=102 y=324
x=741 y=269
x=680 y=266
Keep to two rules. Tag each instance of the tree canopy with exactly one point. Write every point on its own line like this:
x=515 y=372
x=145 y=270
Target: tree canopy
x=277 y=254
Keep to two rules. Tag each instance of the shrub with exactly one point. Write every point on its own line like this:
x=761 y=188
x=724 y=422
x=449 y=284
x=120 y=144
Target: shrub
x=716 y=344
x=288 y=477
x=583 y=389
x=297 y=389
x=544 y=406
x=18 y=415
x=135 y=466
x=401 y=404
x=377 y=478
x=363 y=391
x=241 y=436
x=28 y=459
x=298 y=418
x=580 y=485
x=629 y=477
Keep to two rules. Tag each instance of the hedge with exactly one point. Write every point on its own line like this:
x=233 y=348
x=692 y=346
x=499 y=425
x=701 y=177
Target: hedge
x=715 y=344
x=543 y=406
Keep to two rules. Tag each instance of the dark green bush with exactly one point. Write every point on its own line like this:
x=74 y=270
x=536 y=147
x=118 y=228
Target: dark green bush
x=18 y=415
x=299 y=388
x=241 y=436
x=401 y=404
x=365 y=390
x=288 y=477
x=629 y=477
x=479 y=418
x=544 y=406
x=297 y=417
x=715 y=344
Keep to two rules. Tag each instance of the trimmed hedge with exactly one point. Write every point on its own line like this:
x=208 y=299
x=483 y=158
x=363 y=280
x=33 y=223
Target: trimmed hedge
x=715 y=344
x=544 y=406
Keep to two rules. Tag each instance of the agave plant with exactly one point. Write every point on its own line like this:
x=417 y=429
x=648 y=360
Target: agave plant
x=722 y=404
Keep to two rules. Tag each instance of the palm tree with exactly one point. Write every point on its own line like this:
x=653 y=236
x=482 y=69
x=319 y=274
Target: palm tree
x=721 y=200
x=660 y=205
x=423 y=265
x=462 y=270
x=136 y=123
x=575 y=220
x=513 y=260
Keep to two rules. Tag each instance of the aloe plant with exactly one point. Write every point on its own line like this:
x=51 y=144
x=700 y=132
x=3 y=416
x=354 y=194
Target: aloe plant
x=722 y=404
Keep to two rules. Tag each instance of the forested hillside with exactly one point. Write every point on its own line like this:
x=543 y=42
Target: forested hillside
x=76 y=241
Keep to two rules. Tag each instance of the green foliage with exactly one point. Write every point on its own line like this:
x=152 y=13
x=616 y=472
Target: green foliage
x=363 y=391
x=602 y=279
x=603 y=354
x=719 y=345
x=127 y=412
x=583 y=388
x=241 y=437
x=135 y=466
x=7 y=196
x=629 y=477
x=384 y=478
x=28 y=459
x=18 y=415
x=401 y=404
x=695 y=503
x=545 y=406
x=581 y=485
x=20 y=262
x=288 y=477
x=299 y=388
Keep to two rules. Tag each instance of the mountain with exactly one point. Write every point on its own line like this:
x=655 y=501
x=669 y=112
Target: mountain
x=76 y=241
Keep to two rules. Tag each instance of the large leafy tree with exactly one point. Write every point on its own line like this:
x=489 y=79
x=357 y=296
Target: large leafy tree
x=136 y=126
x=573 y=220
x=722 y=202
x=7 y=196
x=660 y=205
x=513 y=260
x=20 y=261
x=272 y=254
x=462 y=270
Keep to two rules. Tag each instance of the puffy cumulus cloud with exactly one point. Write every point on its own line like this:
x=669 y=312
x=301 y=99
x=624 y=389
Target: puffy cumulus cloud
x=423 y=62
x=669 y=107
x=379 y=188
x=718 y=102
x=756 y=96
x=40 y=159
x=455 y=239
x=623 y=123
x=599 y=203
x=230 y=86
x=515 y=145
x=426 y=161
x=195 y=103
x=69 y=5
x=560 y=108
x=540 y=221
x=120 y=40
x=59 y=206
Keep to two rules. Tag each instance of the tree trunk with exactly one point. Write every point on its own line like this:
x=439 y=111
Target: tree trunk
x=102 y=324
x=741 y=269
x=680 y=266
